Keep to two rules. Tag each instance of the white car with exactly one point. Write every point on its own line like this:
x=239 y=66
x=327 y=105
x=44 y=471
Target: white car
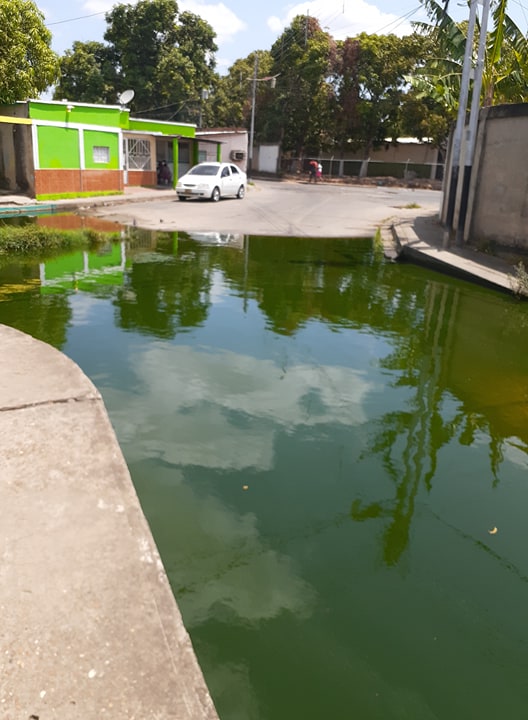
x=212 y=180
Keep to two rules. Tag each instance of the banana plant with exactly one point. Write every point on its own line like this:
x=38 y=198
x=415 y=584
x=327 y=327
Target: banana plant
x=505 y=70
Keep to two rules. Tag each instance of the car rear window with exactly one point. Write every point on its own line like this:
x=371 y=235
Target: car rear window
x=204 y=170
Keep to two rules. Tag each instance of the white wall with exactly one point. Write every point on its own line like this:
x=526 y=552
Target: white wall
x=268 y=158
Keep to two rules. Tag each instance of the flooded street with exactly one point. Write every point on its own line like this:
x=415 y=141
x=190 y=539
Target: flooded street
x=331 y=451
x=281 y=208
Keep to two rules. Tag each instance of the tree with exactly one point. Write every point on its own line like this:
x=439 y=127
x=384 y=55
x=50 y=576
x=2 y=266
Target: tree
x=167 y=58
x=230 y=101
x=28 y=66
x=88 y=74
x=300 y=108
x=371 y=87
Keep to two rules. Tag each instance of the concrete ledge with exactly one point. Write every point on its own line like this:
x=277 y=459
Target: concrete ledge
x=90 y=628
x=421 y=241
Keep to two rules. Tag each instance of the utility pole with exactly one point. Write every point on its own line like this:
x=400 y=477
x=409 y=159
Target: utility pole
x=461 y=119
x=471 y=131
x=252 y=126
x=272 y=79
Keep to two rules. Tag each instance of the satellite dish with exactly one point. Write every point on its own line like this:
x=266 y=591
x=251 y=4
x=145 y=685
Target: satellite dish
x=125 y=97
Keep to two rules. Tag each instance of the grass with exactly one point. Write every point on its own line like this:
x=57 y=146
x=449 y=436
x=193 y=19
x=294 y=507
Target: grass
x=40 y=241
x=73 y=196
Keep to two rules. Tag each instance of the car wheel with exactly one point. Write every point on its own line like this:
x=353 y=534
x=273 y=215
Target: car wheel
x=241 y=192
x=215 y=195
x=182 y=197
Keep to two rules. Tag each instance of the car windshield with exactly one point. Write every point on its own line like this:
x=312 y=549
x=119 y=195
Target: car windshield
x=204 y=170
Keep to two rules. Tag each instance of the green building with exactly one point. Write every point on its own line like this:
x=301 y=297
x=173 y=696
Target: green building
x=51 y=149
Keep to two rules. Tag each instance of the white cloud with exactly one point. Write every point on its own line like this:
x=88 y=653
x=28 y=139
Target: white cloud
x=183 y=415
x=275 y=24
x=223 y=20
x=99 y=6
x=225 y=564
x=343 y=20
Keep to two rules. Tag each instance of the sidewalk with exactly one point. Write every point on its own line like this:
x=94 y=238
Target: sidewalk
x=13 y=205
x=422 y=241
x=90 y=627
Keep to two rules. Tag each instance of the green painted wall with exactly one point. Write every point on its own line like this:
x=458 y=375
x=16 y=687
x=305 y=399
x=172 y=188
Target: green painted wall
x=86 y=115
x=160 y=127
x=58 y=148
x=103 y=139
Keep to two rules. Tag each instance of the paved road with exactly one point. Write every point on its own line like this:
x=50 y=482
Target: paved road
x=282 y=208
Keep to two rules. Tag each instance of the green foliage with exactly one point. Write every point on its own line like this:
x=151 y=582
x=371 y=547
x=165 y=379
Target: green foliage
x=371 y=87
x=28 y=66
x=505 y=66
x=230 y=102
x=329 y=95
x=300 y=109
x=165 y=56
x=72 y=195
x=39 y=240
x=88 y=74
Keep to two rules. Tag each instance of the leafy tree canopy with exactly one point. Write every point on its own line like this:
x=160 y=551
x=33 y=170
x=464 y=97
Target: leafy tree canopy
x=230 y=101
x=88 y=74
x=166 y=57
x=300 y=109
x=28 y=66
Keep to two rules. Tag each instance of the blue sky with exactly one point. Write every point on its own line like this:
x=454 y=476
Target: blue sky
x=246 y=25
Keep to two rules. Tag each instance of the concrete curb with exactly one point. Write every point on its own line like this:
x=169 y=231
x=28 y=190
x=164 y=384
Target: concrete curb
x=422 y=242
x=17 y=205
x=90 y=627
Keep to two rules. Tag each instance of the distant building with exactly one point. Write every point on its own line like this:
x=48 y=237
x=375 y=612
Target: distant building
x=234 y=145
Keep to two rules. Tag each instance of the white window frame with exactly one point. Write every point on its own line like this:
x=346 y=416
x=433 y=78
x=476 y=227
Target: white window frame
x=101 y=154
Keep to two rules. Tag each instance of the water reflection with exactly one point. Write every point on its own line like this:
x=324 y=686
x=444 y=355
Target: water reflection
x=410 y=439
x=224 y=410
x=243 y=579
x=321 y=442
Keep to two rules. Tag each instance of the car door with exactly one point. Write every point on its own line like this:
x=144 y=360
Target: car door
x=226 y=181
x=238 y=180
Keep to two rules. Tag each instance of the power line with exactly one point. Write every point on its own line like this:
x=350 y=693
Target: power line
x=81 y=17
x=326 y=20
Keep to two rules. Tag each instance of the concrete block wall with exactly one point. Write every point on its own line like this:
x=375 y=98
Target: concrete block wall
x=498 y=202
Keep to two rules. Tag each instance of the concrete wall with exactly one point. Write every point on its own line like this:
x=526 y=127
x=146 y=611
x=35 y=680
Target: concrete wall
x=233 y=141
x=498 y=201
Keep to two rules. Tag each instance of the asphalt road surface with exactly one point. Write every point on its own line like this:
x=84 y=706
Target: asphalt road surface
x=282 y=208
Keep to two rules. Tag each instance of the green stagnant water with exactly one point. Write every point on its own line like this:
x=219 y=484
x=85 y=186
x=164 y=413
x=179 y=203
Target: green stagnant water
x=321 y=441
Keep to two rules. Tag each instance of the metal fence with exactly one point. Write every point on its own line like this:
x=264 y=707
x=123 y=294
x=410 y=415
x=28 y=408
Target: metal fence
x=371 y=168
